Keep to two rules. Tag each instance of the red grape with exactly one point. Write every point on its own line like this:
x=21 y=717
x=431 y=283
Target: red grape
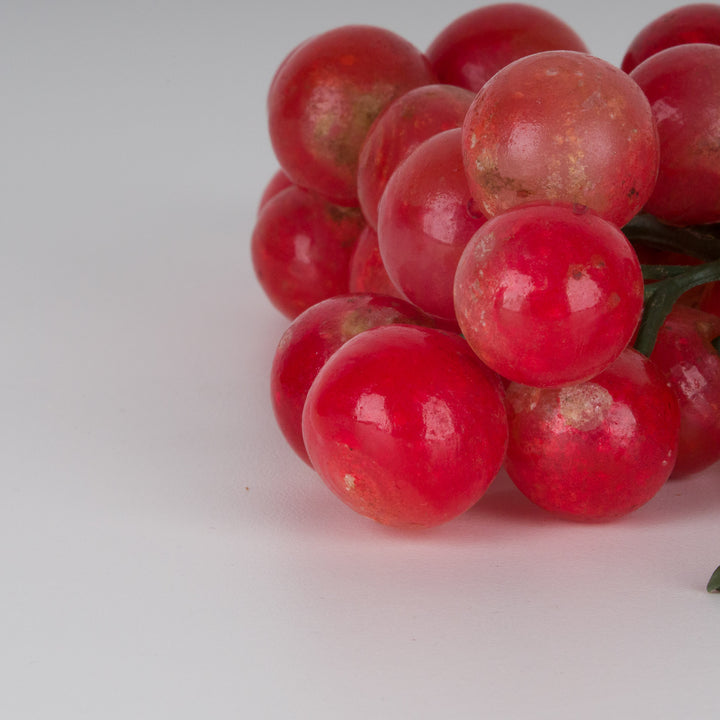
x=683 y=351
x=547 y=296
x=405 y=425
x=595 y=450
x=301 y=249
x=561 y=127
x=425 y=223
x=326 y=94
x=472 y=48
x=398 y=130
x=682 y=84
x=694 y=23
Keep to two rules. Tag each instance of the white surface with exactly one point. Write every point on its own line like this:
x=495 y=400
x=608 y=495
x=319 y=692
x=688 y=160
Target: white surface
x=164 y=554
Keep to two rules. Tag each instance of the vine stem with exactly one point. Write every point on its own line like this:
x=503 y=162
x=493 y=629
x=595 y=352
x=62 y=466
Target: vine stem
x=661 y=296
x=699 y=241
x=713 y=585
x=671 y=281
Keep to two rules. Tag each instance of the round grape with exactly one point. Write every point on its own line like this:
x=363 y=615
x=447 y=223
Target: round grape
x=561 y=127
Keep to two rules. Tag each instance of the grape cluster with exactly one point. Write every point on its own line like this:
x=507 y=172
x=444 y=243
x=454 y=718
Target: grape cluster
x=500 y=252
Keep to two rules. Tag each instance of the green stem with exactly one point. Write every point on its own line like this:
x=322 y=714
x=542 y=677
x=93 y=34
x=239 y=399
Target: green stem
x=700 y=241
x=662 y=295
x=713 y=585
x=661 y=272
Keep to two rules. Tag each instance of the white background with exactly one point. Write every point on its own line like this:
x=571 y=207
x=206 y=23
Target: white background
x=163 y=554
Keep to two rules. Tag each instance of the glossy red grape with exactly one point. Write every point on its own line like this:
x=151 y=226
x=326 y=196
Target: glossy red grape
x=473 y=47
x=398 y=130
x=683 y=351
x=301 y=249
x=561 y=127
x=595 y=450
x=693 y=23
x=546 y=296
x=312 y=338
x=326 y=94
x=425 y=222
x=682 y=84
x=405 y=425
x=367 y=270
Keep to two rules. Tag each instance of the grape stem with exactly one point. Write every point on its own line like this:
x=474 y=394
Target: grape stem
x=700 y=241
x=713 y=585
x=664 y=284
x=661 y=296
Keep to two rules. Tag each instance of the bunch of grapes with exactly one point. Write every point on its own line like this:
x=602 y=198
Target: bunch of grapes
x=499 y=252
